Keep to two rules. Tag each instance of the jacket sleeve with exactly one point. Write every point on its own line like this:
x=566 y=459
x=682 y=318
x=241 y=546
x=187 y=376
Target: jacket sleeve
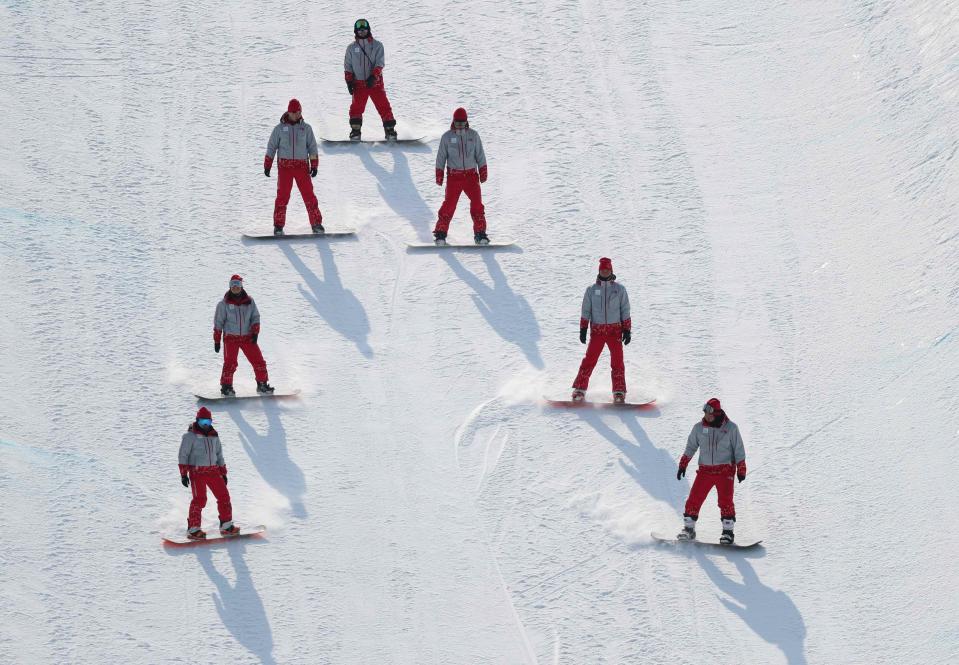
x=739 y=450
x=441 y=154
x=186 y=444
x=587 y=313
x=348 y=64
x=219 y=320
x=254 y=319
x=273 y=144
x=379 y=57
x=311 y=144
x=692 y=443
x=624 y=311
x=220 y=461
x=479 y=155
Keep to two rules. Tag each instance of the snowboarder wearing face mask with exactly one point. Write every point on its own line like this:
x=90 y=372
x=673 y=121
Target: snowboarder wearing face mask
x=293 y=139
x=236 y=322
x=363 y=71
x=202 y=467
x=462 y=158
x=606 y=317
x=722 y=457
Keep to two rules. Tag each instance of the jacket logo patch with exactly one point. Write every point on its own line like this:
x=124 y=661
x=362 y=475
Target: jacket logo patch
x=356 y=49
x=597 y=292
x=453 y=139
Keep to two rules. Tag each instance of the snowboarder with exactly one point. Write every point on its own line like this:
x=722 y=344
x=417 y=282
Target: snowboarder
x=606 y=316
x=202 y=466
x=721 y=456
x=237 y=322
x=461 y=155
x=363 y=71
x=293 y=139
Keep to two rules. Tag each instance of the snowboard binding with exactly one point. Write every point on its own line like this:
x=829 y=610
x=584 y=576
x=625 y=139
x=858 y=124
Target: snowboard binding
x=481 y=238
x=578 y=395
x=196 y=534
x=227 y=390
x=619 y=397
x=264 y=387
x=439 y=238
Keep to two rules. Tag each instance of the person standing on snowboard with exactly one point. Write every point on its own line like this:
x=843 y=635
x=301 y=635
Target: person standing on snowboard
x=237 y=322
x=605 y=315
x=202 y=466
x=462 y=157
x=293 y=139
x=363 y=71
x=721 y=457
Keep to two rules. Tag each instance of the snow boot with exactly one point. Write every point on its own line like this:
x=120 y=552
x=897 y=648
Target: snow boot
x=619 y=397
x=439 y=237
x=227 y=390
x=196 y=533
x=389 y=128
x=727 y=538
x=277 y=230
x=481 y=238
x=318 y=229
x=356 y=126
x=578 y=395
x=264 y=387
x=689 y=529
x=229 y=529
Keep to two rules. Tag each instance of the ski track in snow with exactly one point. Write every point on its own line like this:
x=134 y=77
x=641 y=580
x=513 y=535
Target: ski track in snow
x=776 y=187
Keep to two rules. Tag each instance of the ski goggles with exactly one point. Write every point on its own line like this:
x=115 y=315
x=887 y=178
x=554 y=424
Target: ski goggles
x=235 y=282
x=361 y=25
x=204 y=422
x=460 y=124
x=708 y=408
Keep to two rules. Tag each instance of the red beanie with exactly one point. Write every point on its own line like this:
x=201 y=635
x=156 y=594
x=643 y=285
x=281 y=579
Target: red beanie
x=236 y=278
x=459 y=115
x=204 y=413
x=605 y=264
x=715 y=404
x=294 y=106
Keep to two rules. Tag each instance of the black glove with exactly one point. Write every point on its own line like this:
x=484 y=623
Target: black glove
x=349 y=86
x=582 y=335
x=266 y=171
x=253 y=337
x=216 y=347
x=680 y=472
x=371 y=80
x=741 y=477
x=627 y=337
x=185 y=480
x=224 y=480
x=313 y=173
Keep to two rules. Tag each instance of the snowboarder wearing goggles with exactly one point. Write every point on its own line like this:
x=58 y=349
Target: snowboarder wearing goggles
x=605 y=315
x=363 y=71
x=202 y=466
x=462 y=157
x=237 y=323
x=293 y=139
x=721 y=458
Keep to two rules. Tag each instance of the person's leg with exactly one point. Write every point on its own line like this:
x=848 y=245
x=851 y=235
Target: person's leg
x=255 y=356
x=697 y=493
x=231 y=347
x=477 y=210
x=381 y=103
x=593 y=350
x=284 y=184
x=617 y=366
x=454 y=187
x=198 y=487
x=305 y=184
x=223 y=505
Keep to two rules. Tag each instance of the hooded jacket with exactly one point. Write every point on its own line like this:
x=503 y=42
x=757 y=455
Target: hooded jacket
x=720 y=447
x=292 y=140
x=460 y=150
x=606 y=303
x=362 y=57
x=236 y=315
x=200 y=452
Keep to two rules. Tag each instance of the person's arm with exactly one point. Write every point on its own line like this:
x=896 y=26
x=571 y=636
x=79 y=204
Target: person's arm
x=480 y=156
x=441 y=157
x=739 y=454
x=692 y=445
x=624 y=314
x=254 y=321
x=271 y=147
x=219 y=320
x=186 y=444
x=312 y=151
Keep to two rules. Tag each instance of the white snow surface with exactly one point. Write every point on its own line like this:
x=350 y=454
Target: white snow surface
x=776 y=185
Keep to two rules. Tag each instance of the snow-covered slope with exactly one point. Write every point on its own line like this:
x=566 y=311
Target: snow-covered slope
x=776 y=187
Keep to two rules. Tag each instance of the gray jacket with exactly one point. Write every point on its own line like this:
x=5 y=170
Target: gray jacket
x=200 y=450
x=606 y=303
x=716 y=445
x=236 y=316
x=460 y=150
x=362 y=57
x=292 y=141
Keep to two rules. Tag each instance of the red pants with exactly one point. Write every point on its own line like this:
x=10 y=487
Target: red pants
x=458 y=182
x=298 y=170
x=705 y=480
x=231 y=348
x=198 y=484
x=377 y=93
x=597 y=340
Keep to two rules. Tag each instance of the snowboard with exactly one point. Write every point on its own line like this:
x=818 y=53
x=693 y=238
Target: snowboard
x=460 y=245
x=218 y=398
x=586 y=404
x=704 y=543
x=213 y=535
x=346 y=139
x=297 y=236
